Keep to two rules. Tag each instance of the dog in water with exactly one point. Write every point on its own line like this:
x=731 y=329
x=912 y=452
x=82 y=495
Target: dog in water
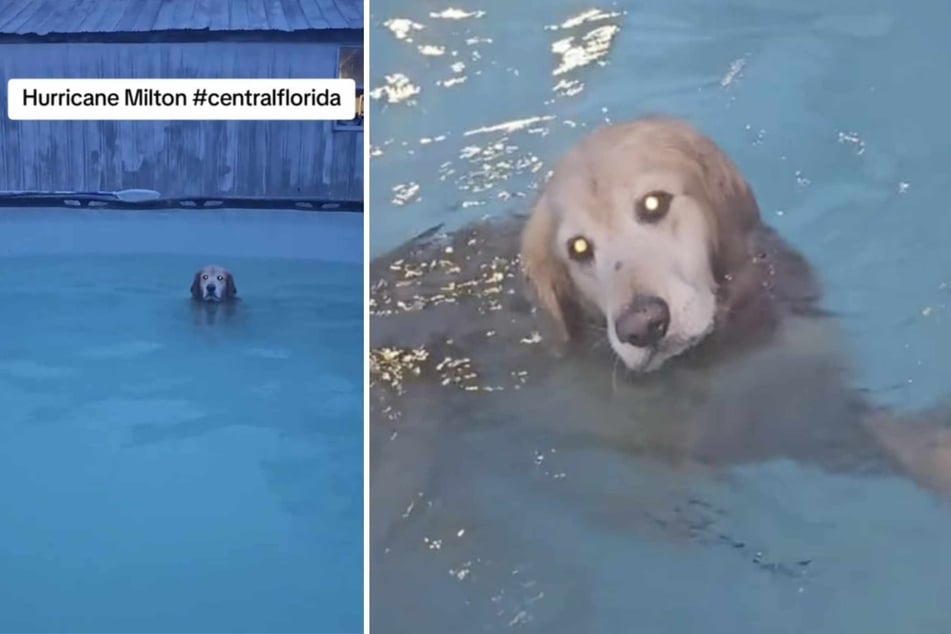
x=213 y=284
x=644 y=305
x=213 y=288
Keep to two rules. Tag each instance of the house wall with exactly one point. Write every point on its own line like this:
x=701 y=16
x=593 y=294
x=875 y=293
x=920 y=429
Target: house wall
x=178 y=158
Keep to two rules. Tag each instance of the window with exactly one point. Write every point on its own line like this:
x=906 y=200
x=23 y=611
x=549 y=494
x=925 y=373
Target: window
x=350 y=66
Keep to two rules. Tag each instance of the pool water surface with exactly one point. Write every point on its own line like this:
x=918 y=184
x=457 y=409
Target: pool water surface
x=167 y=469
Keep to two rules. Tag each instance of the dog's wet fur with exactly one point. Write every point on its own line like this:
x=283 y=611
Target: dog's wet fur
x=501 y=319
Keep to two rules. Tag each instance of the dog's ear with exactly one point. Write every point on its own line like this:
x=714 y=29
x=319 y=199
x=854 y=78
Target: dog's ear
x=547 y=274
x=196 y=286
x=734 y=210
x=230 y=289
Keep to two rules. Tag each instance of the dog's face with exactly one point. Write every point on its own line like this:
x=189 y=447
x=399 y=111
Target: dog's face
x=640 y=223
x=213 y=284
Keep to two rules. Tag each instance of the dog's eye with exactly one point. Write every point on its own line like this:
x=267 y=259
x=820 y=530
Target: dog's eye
x=580 y=249
x=205 y=276
x=654 y=205
x=221 y=277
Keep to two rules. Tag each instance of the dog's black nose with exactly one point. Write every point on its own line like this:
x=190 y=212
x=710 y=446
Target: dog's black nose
x=210 y=288
x=644 y=321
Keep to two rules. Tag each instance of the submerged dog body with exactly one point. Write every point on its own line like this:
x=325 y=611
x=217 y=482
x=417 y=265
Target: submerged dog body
x=645 y=236
x=646 y=243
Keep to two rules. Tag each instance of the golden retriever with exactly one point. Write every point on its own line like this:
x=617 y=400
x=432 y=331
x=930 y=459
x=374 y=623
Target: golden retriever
x=213 y=283
x=212 y=291
x=642 y=308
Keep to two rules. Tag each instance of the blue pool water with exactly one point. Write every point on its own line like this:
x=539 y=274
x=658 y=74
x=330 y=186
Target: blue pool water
x=167 y=470
x=836 y=111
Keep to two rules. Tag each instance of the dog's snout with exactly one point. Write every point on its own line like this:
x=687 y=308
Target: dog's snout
x=211 y=288
x=644 y=321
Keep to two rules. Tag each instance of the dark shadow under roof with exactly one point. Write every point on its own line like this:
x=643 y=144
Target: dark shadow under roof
x=46 y=17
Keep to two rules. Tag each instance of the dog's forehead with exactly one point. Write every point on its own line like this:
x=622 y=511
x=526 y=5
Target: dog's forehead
x=213 y=270
x=602 y=180
x=576 y=200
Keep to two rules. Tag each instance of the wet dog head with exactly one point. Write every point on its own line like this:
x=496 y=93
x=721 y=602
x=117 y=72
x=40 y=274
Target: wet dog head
x=213 y=284
x=639 y=225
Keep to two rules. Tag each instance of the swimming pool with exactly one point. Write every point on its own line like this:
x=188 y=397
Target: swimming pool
x=834 y=113
x=167 y=470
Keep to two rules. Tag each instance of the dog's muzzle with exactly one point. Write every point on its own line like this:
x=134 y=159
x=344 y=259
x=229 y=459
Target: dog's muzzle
x=211 y=293
x=643 y=322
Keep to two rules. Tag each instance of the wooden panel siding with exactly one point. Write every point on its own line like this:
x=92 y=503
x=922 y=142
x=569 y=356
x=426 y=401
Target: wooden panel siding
x=178 y=158
x=34 y=17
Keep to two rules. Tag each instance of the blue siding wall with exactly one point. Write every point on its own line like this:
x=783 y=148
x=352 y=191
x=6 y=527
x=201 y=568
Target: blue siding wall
x=178 y=158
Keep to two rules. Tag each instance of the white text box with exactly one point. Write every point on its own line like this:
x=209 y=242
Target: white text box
x=181 y=99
